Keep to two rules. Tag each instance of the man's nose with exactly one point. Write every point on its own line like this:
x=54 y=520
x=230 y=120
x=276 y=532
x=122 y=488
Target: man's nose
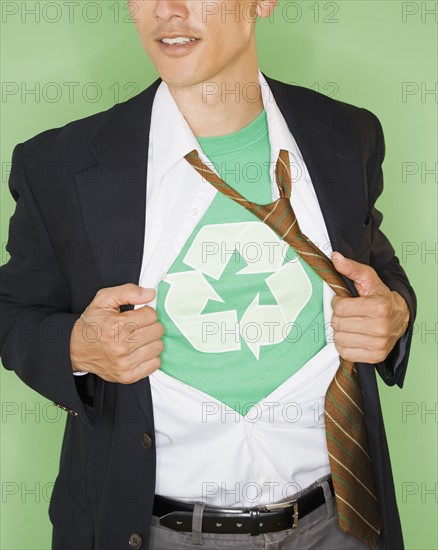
x=166 y=9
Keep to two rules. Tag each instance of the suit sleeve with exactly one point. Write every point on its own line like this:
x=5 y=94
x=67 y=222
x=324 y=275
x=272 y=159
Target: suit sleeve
x=385 y=262
x=36 y=319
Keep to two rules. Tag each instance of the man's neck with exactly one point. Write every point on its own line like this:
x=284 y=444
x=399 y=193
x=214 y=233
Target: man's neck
x=220 y=107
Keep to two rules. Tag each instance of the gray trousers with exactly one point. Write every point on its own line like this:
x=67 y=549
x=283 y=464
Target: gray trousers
x=318 y=530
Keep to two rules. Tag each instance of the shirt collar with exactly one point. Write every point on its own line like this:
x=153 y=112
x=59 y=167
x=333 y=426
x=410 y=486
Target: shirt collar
x=172 y=137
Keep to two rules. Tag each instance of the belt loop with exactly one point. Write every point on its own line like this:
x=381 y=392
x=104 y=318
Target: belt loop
x=329 y=498
x=198 y=512
x=254 y=517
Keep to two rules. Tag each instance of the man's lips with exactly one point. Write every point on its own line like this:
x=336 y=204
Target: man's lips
x=176 y=35
x=178 y=48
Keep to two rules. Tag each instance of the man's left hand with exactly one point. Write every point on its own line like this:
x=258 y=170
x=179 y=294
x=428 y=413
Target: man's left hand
x=366 y=327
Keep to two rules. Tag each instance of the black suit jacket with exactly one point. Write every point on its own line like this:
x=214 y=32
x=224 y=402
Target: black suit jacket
x=78 y=226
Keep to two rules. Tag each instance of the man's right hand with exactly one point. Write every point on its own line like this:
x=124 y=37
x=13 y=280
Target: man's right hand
x=121 y=347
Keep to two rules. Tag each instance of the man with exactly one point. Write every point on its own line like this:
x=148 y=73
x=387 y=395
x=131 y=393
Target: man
x=165 y=299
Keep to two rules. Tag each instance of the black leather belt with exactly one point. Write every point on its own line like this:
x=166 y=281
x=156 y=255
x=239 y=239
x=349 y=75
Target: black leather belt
x=279 y=516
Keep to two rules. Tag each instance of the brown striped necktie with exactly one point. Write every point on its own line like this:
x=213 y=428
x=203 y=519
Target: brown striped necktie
x=347 y=443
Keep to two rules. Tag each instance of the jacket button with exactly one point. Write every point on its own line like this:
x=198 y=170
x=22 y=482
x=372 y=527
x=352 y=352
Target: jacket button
x=135 y=541
x=146 y=440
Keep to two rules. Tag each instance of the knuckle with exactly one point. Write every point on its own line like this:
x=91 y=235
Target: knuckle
x=154 y=364
x=378 y=328
x=102 y=292
x=380 y=352
x=380 y=345
x=123 y=288
x=149 y=352
x=124 y=363
x=160 y=329
x=123 y=377
x=156 y=348
x=151 y=316
x=382 y=309
x=340 y=308
x=131 y=332
x=339 y=349
x=346 y=354
x=118 y=352
x=127 y=377
x=368 y=272
x=385 y=328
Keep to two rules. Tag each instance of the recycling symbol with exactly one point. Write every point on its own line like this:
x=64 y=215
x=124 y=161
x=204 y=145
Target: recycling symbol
x=190 y=291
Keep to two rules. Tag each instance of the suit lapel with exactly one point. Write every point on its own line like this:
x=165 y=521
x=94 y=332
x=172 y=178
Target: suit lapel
x=112 y=193
x=112 y=190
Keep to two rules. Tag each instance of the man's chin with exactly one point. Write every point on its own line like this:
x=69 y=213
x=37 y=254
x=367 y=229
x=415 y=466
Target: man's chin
x=180 y=80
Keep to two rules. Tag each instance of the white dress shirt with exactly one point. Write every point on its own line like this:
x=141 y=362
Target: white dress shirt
x=205 y=450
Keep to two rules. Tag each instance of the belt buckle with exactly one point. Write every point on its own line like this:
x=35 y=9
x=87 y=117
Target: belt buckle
x=280 y=505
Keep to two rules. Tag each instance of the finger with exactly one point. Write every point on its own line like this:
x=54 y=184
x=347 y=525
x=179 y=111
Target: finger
x=143 y=370
x=366 y=306
x=133 y=338
x=147 y=367
x=142 y=316
x=361 y=355
x=125 y=367
x=116 y=296
x=144 y=352
x=149 y=352
x=364 y=277
x=348 y=340
x=359 y=325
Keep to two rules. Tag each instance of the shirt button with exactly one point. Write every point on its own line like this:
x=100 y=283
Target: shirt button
x=268 y=479
x=195 y=211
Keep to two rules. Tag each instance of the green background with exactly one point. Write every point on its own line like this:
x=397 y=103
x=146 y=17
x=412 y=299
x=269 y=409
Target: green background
x=364 y=52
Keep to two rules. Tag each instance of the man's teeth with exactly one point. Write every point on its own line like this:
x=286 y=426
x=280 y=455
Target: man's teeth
x=177 y=40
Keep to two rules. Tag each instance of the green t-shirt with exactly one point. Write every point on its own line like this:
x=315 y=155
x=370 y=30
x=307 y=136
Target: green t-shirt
x=238 y=304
